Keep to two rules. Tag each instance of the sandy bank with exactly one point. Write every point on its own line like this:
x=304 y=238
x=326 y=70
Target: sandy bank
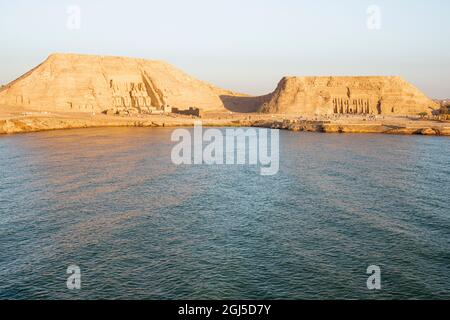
x=37 y=121
x=33 y=122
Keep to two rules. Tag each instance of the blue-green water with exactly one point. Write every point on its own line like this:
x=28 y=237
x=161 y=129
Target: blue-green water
x=112 y=202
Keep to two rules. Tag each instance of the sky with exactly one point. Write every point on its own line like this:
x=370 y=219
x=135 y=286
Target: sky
x=241 y=45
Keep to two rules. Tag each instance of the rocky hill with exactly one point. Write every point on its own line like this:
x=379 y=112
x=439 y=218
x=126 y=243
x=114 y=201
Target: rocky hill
x=83 y=83
x=347 y=95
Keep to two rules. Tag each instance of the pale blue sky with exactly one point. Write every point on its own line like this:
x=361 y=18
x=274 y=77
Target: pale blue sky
x=243 y=45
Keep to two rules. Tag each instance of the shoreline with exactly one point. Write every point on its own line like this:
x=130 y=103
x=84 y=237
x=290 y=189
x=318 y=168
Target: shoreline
x=348 y=128
x=28 y=123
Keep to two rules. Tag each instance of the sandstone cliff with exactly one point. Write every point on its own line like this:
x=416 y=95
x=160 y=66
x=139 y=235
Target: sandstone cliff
x=83 y=83
x=347 y=95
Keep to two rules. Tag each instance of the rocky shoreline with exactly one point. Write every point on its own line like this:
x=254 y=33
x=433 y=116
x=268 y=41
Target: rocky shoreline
x=330 y=127
x=46 y=123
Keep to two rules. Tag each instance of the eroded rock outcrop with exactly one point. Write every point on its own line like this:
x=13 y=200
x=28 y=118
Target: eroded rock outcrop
x=116 y=85
x=347 y=95
x=84 y=83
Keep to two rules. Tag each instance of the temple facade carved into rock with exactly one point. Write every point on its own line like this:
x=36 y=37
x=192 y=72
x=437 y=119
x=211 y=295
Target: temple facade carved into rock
x=356 y=106
x=347 y=95
x=86 y=83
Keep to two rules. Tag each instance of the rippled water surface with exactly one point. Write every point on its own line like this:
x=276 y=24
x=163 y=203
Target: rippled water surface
x=112 y=202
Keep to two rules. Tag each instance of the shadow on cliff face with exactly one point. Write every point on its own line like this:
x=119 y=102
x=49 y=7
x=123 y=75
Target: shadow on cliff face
x=244 y=104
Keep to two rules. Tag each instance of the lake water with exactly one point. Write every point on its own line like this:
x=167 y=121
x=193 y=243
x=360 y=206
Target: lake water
x=111 y=201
